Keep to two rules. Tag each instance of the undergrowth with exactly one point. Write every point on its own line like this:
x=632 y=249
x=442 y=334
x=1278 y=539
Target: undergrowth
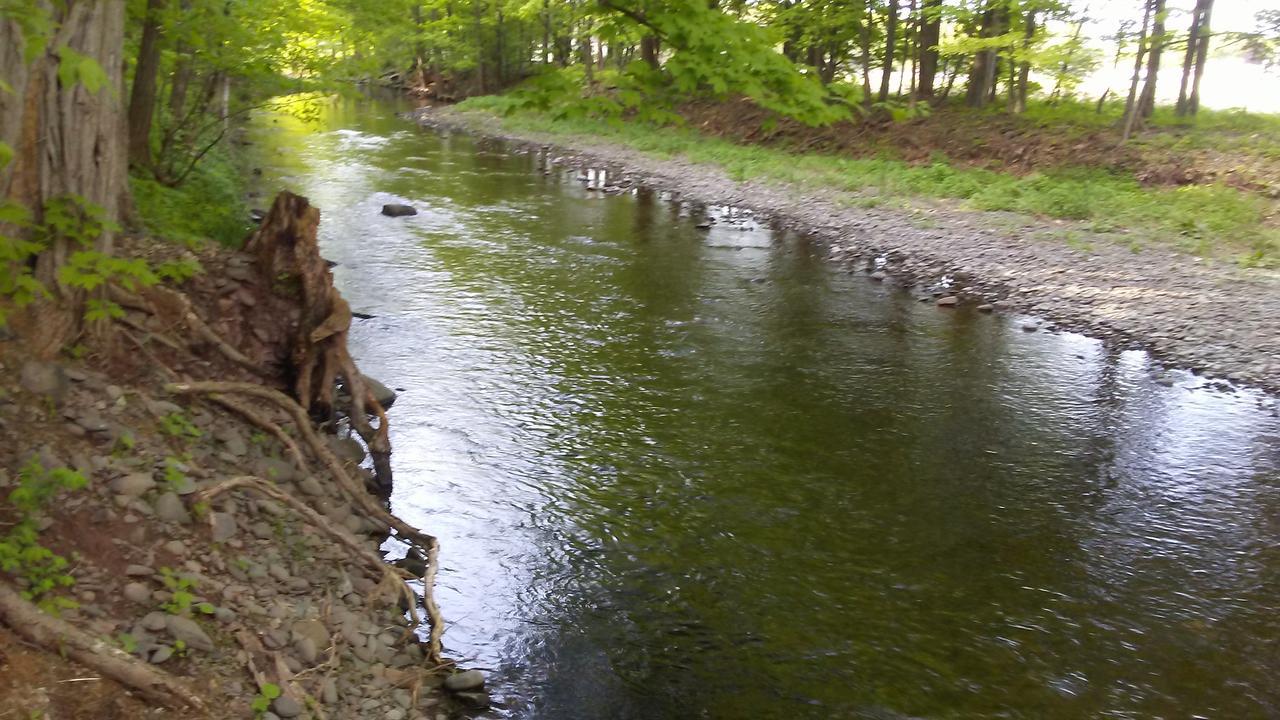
x=208 y=204
x=1211 y=220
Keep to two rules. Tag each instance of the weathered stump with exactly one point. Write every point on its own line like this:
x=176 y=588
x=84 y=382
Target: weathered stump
x=288 y=259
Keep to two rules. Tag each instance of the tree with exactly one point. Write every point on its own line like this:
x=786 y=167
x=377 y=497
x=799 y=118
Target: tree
x=64 y=123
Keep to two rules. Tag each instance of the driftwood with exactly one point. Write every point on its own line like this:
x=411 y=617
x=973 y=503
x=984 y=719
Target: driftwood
x=47 y=631
x=289 y=262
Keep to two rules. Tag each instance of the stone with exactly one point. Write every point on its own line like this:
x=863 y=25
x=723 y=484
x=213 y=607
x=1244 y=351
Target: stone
x=45 y=379
x=306 y=650
x=137 y=592
x=155 y=621
x=275 y=469
x=385 y=396
x=189 y=632
x=879 y=275
x=133 y=485
x=169 y=508
x=175 y=547
x=398 y=210
x=986 y=307
x=160 y=654
x=233 y=442
x=948 y=301
x=329 y=691
x=311 y=486
x=224 y=526
x=474 y=699
x=464 y=681
x=313 y=630
x=286 y=707
x=347 y=449
x=139 y=571
x=1030 y=326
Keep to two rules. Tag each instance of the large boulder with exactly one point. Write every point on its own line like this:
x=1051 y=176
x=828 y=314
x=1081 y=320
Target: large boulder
x=398 y=210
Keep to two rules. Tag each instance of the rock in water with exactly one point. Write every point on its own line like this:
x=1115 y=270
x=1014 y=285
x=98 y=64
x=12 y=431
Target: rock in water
x=464 y=681
x=398 y=210
x=383 y=394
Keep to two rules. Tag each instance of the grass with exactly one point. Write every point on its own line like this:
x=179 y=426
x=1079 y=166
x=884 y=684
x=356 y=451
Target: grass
x=1213 y=220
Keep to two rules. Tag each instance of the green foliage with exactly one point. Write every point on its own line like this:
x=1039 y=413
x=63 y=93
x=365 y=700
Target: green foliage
x=181 y=598
x=262 y=701
x=76 y=69
x=21 y=553
x=209 y=204
x=178 y=425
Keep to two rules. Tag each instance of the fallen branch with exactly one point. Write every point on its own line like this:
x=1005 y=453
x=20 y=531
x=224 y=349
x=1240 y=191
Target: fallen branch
x=60 y=637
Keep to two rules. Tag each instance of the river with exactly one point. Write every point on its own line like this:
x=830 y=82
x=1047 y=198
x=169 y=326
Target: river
x=683 y=473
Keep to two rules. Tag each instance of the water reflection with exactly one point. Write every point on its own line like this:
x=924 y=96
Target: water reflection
x=697 y=472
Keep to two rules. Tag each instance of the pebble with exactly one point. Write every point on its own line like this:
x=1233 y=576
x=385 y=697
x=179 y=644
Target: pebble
x=133 y=485
x=948 y=301
x=286 y=707
x=188 y=631
x=138 y=593
x=224 y=526
x=169 y=508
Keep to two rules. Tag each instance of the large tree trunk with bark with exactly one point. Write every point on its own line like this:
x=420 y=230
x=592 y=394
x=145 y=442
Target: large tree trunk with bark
x=982 y=74
x=67 y=141
x=1202 y=54
x=1131 y=104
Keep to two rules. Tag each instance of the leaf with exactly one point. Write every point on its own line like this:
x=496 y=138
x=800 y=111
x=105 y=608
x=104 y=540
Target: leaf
x=74 y=68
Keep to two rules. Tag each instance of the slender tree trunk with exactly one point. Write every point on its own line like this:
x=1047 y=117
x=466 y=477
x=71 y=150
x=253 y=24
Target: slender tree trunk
x=1202 y=55
x=1189 y=58
x=66 y=141
x=930 y=34
x=864 y=38
x=1024 y=69
x=546 y=32
x=1130 y=103
x=891 y=29
x=1155 y=44
x=584 y=51
x=142 y=98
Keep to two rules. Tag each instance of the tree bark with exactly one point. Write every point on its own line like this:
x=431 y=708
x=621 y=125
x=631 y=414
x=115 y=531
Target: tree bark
x=142 y=98
x=1155 y=44
x=1202 y=55
x=66 y=141
x=930 y=35
x=1019 y=92
x=1130 y=104
x=982 y=75
x=1189 y=57
x=891 y=29
x=649 y=46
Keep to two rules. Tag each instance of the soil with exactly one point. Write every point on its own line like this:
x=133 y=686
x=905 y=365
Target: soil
x=1207 y=316
x=276 y=597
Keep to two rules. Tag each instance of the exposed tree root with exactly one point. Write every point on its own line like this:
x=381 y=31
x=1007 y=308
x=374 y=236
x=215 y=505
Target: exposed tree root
x=299 y=460
x=175 y=308
x=353 y=490
x=57 y=636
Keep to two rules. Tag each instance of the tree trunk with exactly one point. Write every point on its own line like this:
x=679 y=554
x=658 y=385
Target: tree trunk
x=1202 y=54
x=982 y=74
x=649 y=47
x=142 y=98
x=66 y=141
x=1189 y=58
x=864 y=39
x=584 y=50
x=1147 y=102
x=891 y=30
x=1024 y=69
x=1130 y=104
x=930 y=34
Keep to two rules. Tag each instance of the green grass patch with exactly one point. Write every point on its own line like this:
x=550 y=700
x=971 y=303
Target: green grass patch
x=209 y=204
x=1211 y=220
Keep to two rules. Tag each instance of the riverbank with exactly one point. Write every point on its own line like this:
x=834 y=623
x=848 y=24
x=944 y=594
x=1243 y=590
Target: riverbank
x=197 y=530
x=1206 y=315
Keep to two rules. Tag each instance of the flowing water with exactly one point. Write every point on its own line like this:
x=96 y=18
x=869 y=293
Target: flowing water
x=680 y=473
